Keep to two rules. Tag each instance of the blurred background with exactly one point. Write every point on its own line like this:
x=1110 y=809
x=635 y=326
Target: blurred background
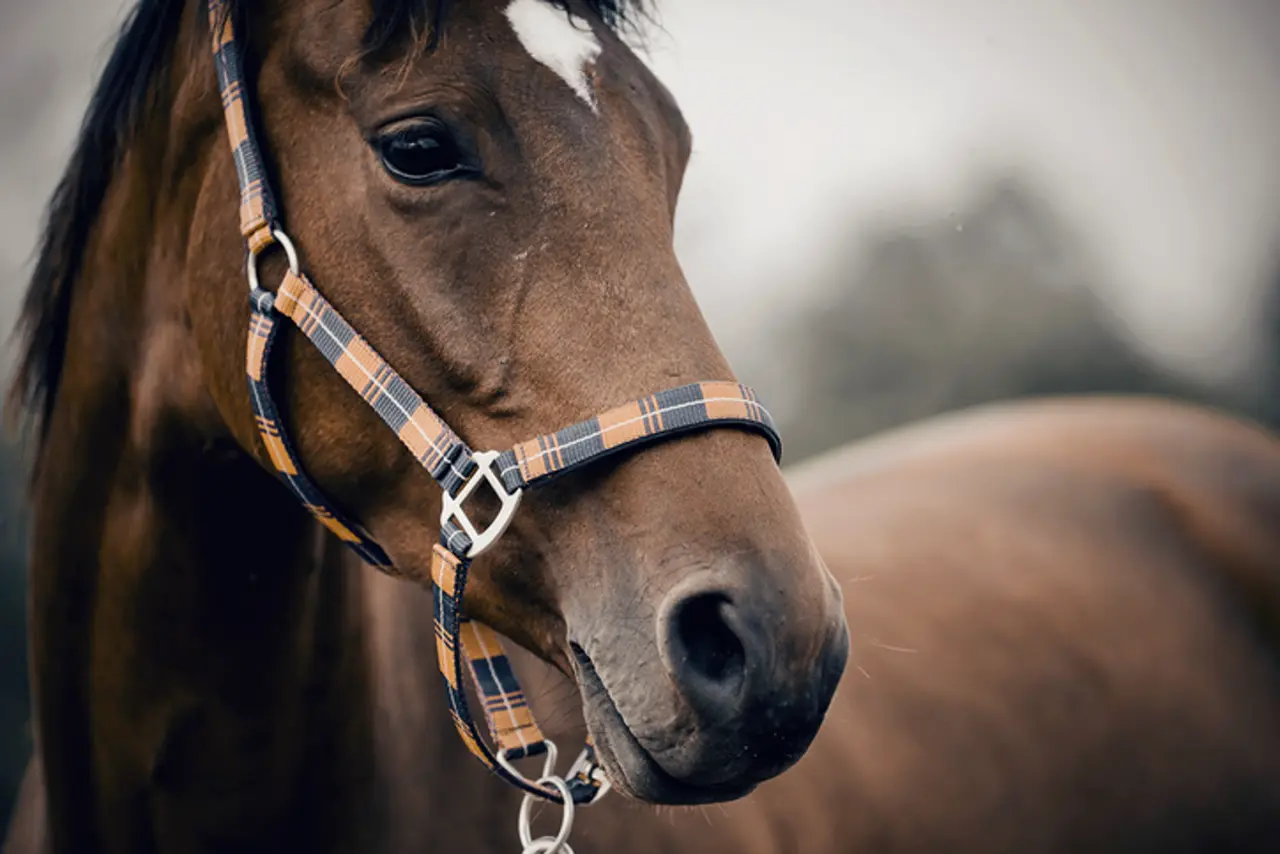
x=894 y=209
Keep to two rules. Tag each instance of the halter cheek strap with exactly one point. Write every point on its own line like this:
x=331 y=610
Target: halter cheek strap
x=446 y=457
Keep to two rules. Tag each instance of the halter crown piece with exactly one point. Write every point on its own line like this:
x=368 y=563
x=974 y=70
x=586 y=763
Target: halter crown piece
x=454 y=466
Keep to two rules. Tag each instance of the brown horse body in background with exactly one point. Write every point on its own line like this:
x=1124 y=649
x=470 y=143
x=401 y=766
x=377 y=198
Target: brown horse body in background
x=1064 y=616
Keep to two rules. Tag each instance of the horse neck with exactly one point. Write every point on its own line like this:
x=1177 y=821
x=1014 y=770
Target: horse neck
x=198 y=645
x=199 y=651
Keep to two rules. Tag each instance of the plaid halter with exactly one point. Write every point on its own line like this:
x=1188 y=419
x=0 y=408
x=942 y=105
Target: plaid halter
x=455 y=467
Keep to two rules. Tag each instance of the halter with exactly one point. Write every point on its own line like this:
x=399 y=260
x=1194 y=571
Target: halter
x=454 y=466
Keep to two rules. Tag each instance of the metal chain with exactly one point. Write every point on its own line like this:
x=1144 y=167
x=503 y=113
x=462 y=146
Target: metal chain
x=558 y=844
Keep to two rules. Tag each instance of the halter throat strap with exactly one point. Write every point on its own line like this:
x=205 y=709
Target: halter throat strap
x=442 y=452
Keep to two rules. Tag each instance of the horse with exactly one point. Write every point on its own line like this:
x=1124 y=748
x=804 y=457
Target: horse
x=1040 y=627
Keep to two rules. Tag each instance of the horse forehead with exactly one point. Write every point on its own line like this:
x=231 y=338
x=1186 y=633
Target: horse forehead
x=560 y=40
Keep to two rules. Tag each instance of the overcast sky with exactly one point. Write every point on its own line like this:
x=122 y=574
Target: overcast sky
x=1153 y=124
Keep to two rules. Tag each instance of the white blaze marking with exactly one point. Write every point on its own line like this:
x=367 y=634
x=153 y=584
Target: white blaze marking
x=560 y=41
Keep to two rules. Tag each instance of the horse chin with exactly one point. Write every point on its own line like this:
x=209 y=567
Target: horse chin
x=629 y=767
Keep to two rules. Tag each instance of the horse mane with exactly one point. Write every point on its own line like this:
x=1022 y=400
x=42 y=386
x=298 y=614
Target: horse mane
x=122 y=101
x=114 y=114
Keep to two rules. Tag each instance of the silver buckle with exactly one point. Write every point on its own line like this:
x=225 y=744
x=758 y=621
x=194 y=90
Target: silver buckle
x=592 y=771
x=452 y=510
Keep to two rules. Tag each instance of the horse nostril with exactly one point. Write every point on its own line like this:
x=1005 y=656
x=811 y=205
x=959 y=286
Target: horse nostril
x=713 y=649
x=707 y=653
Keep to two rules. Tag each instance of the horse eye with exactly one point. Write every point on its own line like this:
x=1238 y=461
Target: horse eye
x=423 y=153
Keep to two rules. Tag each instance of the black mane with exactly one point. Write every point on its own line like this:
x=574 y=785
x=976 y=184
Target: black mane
x=124 y=97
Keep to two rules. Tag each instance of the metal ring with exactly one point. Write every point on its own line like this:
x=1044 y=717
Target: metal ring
x=548 y=763
x=547 y=844
x=290 y=251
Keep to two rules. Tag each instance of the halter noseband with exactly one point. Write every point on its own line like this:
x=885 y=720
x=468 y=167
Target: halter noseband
x=455 y=467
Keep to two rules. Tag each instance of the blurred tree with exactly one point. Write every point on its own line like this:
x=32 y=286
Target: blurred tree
x=999 y=302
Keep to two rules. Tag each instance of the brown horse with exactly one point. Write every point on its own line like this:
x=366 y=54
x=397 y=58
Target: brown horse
x=1064 y=617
